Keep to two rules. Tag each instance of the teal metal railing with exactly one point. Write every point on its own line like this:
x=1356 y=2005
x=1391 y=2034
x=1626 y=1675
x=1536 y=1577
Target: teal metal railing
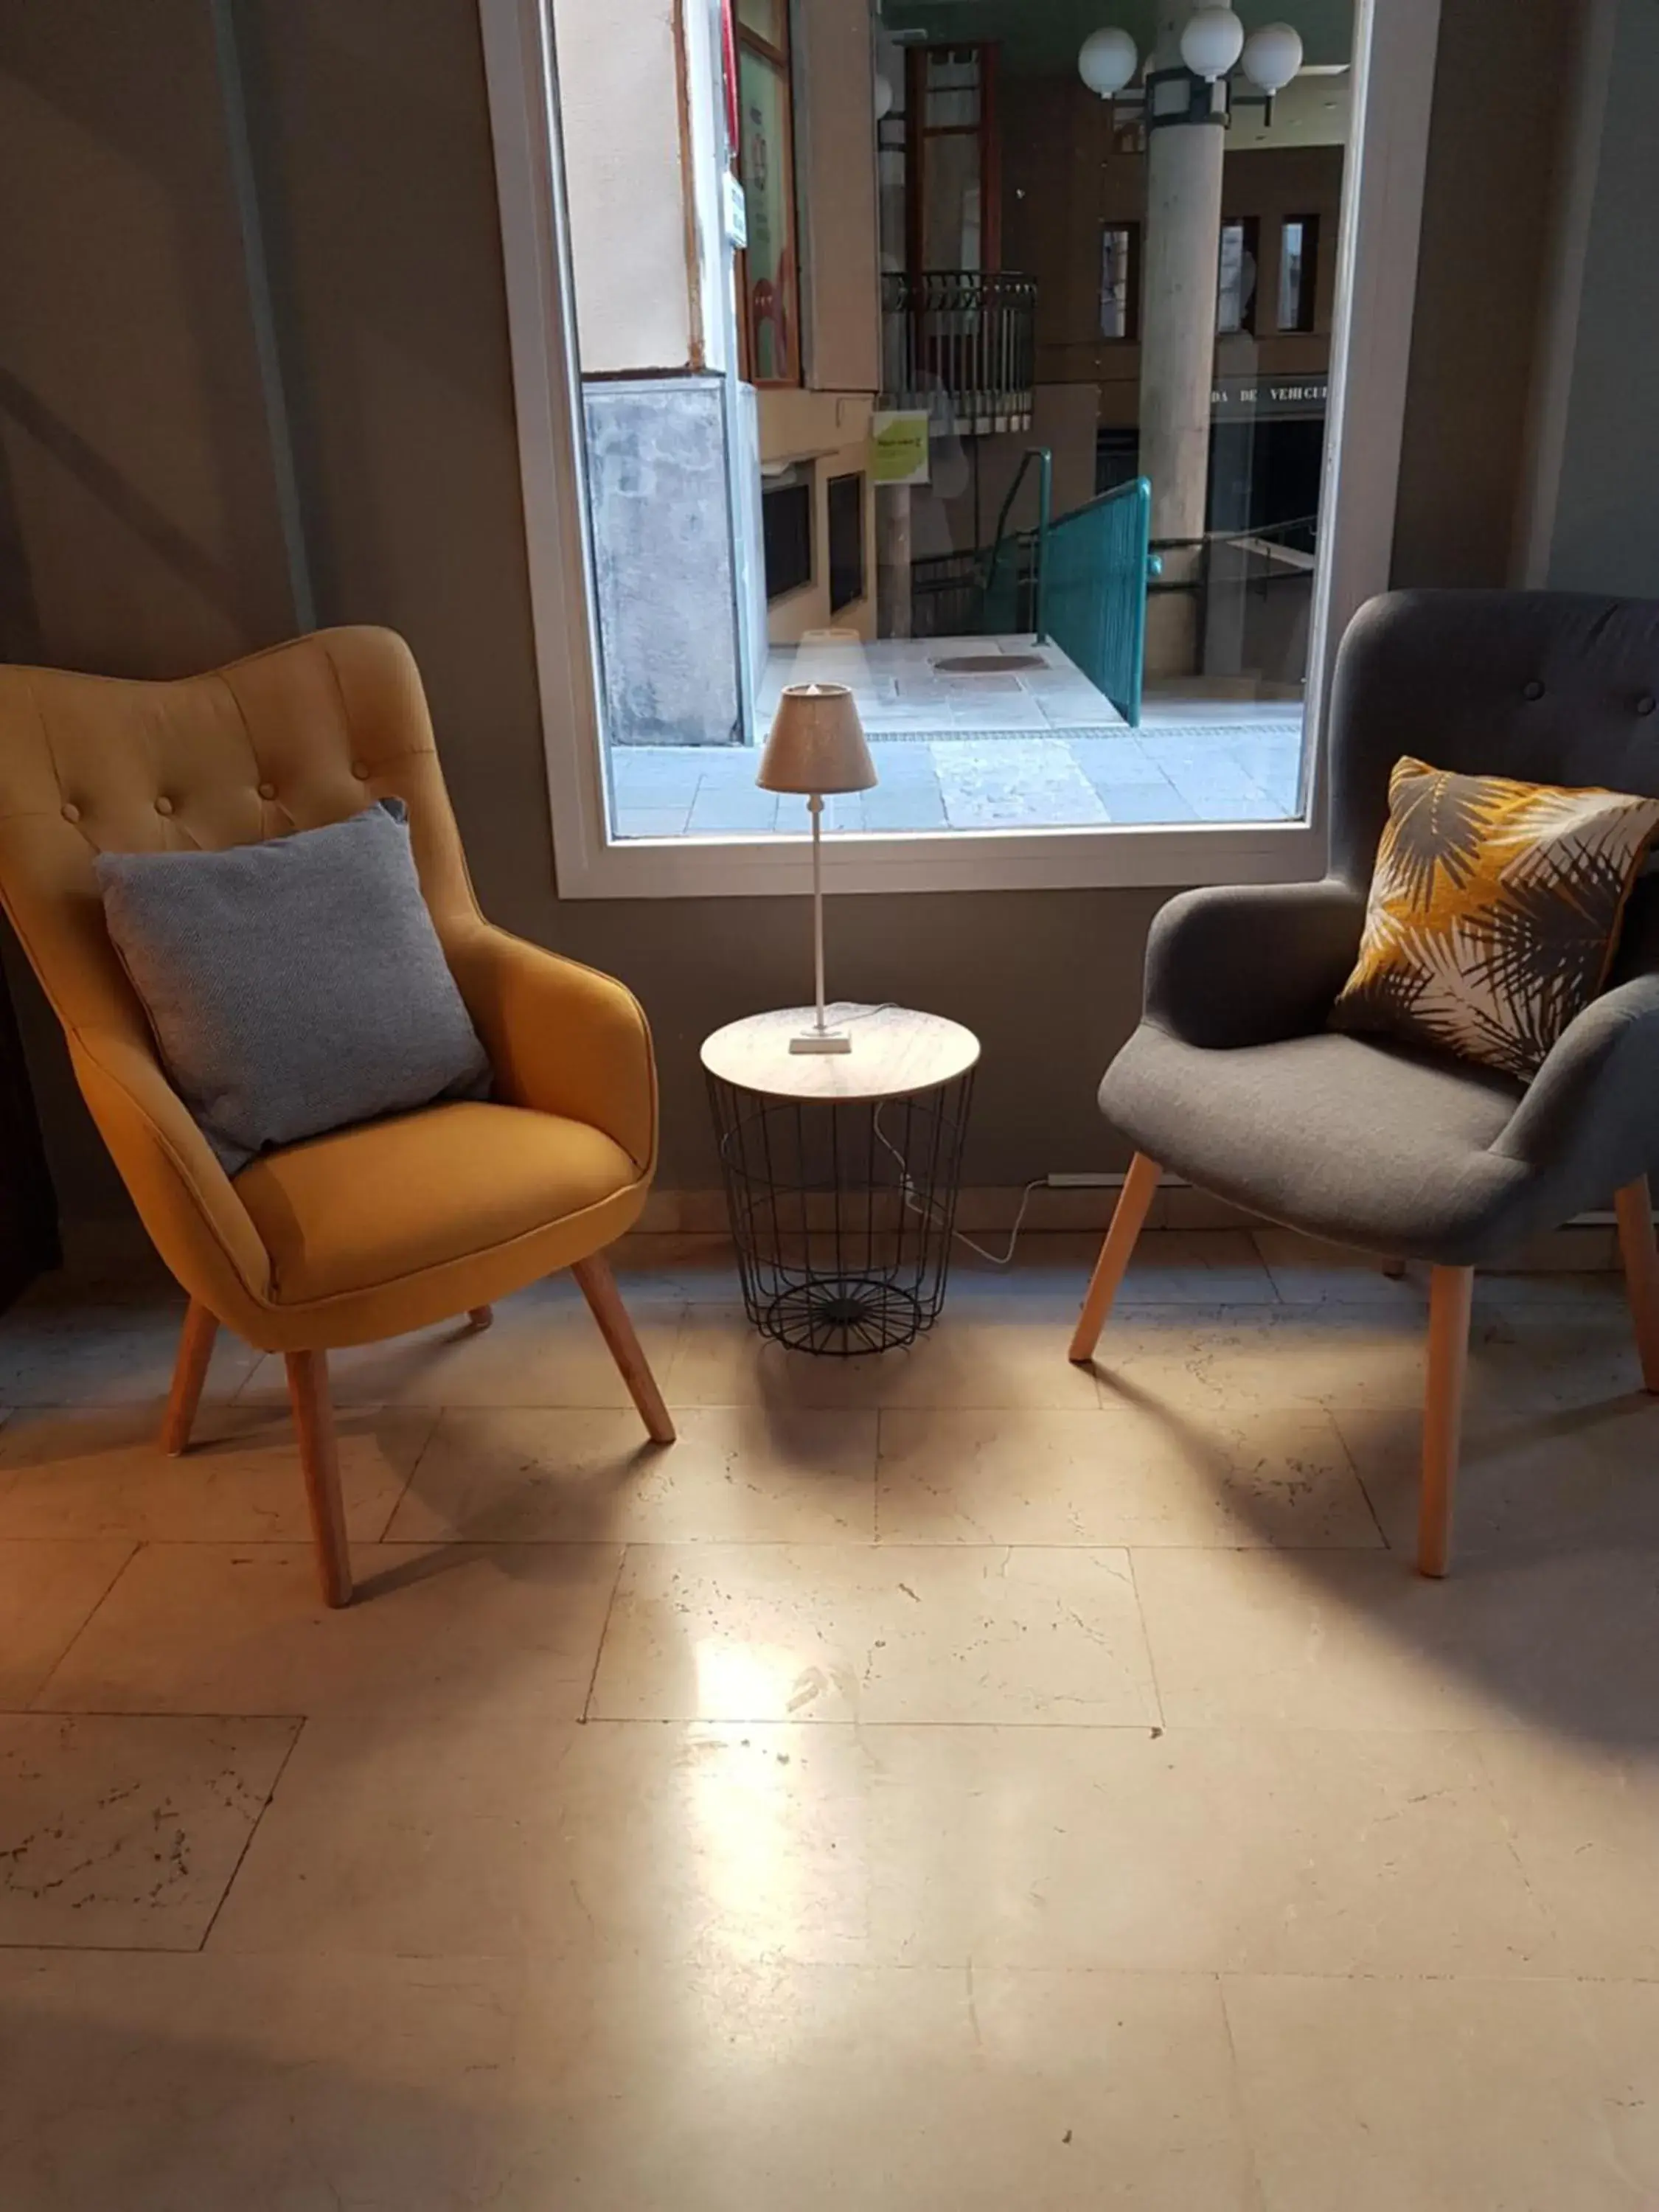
x=1095 y=570
x=1082 y=581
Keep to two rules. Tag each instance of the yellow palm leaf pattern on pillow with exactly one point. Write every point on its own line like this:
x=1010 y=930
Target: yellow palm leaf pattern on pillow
x=1494 y=913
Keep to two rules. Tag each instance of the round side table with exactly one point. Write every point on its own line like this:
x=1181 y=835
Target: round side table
x=842 y=1171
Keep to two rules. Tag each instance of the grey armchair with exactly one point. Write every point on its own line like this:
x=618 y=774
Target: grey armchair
x=1233 y=1081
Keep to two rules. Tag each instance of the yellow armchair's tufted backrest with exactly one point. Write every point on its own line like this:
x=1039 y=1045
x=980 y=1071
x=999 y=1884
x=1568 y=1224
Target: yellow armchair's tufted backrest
x=306 y=733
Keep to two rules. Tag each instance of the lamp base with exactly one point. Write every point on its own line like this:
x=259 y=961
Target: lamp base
x=820 y=1040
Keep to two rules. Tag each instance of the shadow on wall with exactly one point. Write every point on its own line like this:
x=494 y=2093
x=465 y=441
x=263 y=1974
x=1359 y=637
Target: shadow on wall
x=139 y=485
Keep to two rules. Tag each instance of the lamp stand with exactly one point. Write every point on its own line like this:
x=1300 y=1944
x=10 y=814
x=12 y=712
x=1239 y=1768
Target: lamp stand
x=820 y=1037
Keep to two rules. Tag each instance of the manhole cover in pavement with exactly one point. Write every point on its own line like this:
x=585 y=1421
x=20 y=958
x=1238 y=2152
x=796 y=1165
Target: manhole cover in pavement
x=987 y=663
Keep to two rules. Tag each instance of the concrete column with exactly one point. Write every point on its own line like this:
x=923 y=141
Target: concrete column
x=1177 y=347
x=893 y=599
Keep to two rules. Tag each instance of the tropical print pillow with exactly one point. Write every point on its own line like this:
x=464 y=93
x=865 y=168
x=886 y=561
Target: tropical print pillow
x=1493 y=913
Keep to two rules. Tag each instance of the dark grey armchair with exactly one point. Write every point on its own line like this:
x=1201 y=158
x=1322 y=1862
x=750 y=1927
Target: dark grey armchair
x=1233 y=1081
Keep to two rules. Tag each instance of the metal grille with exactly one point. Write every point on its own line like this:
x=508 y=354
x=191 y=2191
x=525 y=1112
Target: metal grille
x=842 y=1213
x=965 y=337
x=947 y=596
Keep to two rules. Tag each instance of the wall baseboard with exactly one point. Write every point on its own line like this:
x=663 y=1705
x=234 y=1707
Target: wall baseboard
x=1589 y=1242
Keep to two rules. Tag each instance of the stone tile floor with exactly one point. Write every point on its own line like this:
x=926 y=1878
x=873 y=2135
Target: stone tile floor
x=952 y=1781
x=1032 y=748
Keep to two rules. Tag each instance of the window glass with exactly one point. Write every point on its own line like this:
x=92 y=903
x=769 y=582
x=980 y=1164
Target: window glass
x=767 y=19
x=1235 y=296
x=787 y=531
x=845 y=519
x=770 y=270
x=953 y=91
x=1052 y=613
x=1116 y=267
x=951 y=209
x=1297 y=250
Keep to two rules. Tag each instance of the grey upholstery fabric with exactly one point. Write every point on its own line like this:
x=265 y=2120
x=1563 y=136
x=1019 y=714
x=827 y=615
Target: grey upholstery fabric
x=1231 y=1081
x=293 y=986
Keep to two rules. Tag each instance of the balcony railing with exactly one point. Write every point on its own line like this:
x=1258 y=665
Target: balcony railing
x=961 y=339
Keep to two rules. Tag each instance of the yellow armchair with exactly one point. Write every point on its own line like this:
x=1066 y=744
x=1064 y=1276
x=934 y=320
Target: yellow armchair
x=364 y=1232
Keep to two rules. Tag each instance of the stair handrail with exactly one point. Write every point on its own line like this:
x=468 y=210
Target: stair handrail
x=1044 y=458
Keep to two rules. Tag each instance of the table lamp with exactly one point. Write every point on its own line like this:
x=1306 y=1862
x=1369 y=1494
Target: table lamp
x=816 y=747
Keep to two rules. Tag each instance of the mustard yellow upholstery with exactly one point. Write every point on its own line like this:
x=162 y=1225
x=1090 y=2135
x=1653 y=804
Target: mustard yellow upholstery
x=374 y=1230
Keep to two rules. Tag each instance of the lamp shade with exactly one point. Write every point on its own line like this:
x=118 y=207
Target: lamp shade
x=1272 y=55
x=1107 y=61
x=817 y=744
x=1212 y=42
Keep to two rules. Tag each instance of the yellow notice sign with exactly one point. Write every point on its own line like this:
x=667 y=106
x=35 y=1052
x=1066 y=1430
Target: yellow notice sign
x=898 y=447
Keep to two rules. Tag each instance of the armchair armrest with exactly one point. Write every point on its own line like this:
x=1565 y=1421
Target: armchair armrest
x=1592 y=1109
x=560 y=1037
x=186 y=1199
x=1251 y=963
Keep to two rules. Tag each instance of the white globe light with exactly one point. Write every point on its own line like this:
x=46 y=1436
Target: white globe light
x=1106 y=62
x=1212 y=42
x=883 y=96
x=1272 y=55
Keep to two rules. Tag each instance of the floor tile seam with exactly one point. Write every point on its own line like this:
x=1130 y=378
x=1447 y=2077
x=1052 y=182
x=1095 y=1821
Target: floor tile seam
x=1174 y=1733
x=1358 y=1473
x=1239 y=2105
x=254 y=1825
x=771 y=1962
x=1473 y=1734
x=1146 y=1645
x=586 y=1712
x=1159 y=1731
x=425 y=1444
x=134 y=1547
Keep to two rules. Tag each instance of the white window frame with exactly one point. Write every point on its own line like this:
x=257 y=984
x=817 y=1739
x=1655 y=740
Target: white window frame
x=1382 y=213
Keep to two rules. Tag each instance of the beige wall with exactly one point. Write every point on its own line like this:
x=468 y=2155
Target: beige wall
x=620 y=105
x=384 y=234
x=830 y=431
x=825 y=422
x=835 y=158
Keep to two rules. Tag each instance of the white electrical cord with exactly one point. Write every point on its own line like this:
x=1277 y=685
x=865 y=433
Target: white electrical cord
x=930 y=1210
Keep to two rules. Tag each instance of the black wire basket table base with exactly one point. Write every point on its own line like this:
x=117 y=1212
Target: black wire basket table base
x=842 y=1209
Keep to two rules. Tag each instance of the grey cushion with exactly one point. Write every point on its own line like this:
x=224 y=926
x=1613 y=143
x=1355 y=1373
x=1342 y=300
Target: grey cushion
x=1368 y=1144
x=1230 y=1080
x=293 y=986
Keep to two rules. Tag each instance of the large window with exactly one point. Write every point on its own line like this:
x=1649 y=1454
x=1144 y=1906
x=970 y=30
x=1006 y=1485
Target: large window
x=1077 y=657
x=771 y=269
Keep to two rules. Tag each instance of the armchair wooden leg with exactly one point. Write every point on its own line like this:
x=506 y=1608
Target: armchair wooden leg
x=1634 y=1207
x=195 y=1350
x=1450 y=1290
x=319 y=1462
x=1114 y=1253
x=599 y=1286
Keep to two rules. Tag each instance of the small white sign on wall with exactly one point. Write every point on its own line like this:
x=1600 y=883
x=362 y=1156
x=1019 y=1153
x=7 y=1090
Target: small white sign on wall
x=736 y=212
